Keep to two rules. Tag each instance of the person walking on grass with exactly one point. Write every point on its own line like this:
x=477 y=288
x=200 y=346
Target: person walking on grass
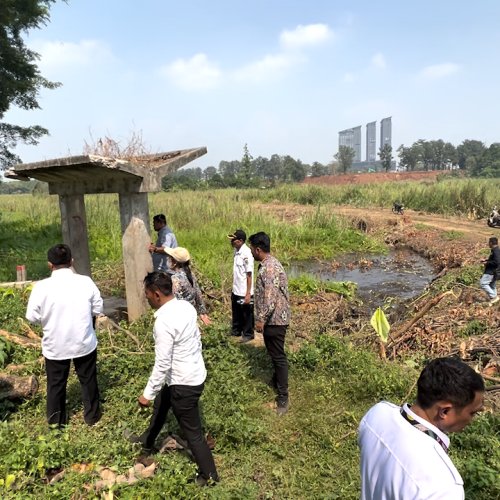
x=65 y=305
x=178 y=374
x=166 y=239
x=404 y=449
x=491 y=270
x=272 y=313
x=242 y=291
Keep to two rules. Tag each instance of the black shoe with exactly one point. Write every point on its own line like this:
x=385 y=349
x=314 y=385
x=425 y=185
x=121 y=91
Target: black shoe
x=244 y=340
x=235 y=334
x=282 y=406
x=203 y=481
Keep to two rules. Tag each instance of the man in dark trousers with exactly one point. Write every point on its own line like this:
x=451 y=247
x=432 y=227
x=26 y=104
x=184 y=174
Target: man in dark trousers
x=242 y=291
x=64 y=305
x=178 y=375
x=491 y=270
x=272 y=313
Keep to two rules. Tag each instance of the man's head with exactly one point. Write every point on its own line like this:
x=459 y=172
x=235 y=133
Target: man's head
x=260 y=245
x=451 y=392
x=59 y=256
x=493 y=241
x=159 y=221
x=237 y=238
x=158 y=288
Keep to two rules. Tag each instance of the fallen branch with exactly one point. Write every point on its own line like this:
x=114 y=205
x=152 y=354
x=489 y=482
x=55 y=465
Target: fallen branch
x=17 y=368
x=108 y=323
x=493 y=388
x=491 y=379
x=20 y=340
x=397 y=337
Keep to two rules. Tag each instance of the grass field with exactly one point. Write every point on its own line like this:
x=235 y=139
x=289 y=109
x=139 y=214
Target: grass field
x=310 y=453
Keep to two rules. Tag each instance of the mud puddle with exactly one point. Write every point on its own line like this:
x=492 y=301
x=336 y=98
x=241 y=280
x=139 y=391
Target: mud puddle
x=402 y=274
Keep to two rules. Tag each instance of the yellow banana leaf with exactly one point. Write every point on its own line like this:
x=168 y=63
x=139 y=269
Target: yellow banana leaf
x=380 y=324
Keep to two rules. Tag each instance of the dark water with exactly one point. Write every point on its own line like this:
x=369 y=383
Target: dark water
x=402 y=274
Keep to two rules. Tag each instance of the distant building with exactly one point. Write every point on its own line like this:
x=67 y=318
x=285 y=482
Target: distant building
x=371 y=141
x=351 y=138
x=385 y=132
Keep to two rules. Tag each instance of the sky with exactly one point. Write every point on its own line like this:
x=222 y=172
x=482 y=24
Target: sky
x=282 y=76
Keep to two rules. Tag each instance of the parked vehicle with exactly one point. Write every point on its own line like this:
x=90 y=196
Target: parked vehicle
x=398 y=208
x=494 y=218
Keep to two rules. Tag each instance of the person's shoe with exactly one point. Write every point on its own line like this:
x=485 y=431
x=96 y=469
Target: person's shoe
x=131 y=437
x=244 y=340
x=282 y=406
x=494 y=301
x=235 y=334
x=203 y=481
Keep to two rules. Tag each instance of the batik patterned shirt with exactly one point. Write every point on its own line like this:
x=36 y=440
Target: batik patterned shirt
x=183 y=290
x=272 y=302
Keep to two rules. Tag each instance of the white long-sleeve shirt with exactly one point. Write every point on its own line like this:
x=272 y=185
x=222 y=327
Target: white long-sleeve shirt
x=64 y=305
x=400 y=462
x=178 y=357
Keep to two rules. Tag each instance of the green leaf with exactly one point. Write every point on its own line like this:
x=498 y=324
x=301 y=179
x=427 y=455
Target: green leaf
x=380 y=324
x=9 y=480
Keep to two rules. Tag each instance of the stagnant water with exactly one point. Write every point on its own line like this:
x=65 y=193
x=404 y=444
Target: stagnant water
x=401 y=274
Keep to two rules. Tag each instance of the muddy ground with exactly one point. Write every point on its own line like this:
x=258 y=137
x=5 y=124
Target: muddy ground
x=451 y=317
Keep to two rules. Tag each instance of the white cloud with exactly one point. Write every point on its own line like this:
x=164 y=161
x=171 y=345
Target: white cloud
x=196 y=73
x=55 y=55
x=267 y=68
x=437 y=71
x=378 y=61
x=304 y=36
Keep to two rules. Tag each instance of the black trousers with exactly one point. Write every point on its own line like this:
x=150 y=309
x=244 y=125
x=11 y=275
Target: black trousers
x=243 y=320
x=183 y=399
x=57 y=378
x=274 y=340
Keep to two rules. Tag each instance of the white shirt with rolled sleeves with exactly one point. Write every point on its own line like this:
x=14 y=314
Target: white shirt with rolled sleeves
x=400 y=462
x=178 y=351
x=243 y=264
x=64 y=305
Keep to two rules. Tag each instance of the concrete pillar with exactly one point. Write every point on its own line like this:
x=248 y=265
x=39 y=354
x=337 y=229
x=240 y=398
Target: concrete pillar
x=74 y=230
x=134 y=217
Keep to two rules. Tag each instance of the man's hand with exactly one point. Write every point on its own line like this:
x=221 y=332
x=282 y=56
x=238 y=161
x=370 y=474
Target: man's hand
x=259 y=326
x=205 y=319
x=143 y=401
x=152 y=248
x=247 y=298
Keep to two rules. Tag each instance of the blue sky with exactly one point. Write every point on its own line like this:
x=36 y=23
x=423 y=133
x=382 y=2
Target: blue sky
x=283 y=76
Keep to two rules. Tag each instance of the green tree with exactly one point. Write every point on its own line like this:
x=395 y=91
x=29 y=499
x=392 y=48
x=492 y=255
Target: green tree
x=469 y=152
x=246 y=172
x=345 y=156
x=408 y=157
x=20 y=77
x=385 y=154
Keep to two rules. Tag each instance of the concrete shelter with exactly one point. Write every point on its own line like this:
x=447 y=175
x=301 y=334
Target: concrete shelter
x=75 y=176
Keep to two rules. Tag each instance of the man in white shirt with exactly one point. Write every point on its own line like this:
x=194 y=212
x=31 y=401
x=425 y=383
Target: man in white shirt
x=178 y=375
x=166 y=239
x=64 y=305
x=404 y=450
x=242 y=291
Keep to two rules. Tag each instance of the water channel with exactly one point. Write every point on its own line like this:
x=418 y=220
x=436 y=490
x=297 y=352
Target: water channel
x=401 y=274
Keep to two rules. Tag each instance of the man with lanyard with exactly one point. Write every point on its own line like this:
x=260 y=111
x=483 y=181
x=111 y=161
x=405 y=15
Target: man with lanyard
x=242 y=292
x=404 y=450
x=178 y=376
x=166 y=239
x=272 y=313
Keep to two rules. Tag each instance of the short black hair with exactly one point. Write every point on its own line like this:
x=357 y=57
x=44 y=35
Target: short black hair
x=493 y=240
x=160 y=218
x=159 y=280
x=59 y=255
x=448 y=379
x=261 y=240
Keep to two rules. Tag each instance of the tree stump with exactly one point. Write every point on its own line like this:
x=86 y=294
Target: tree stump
x=13 y=387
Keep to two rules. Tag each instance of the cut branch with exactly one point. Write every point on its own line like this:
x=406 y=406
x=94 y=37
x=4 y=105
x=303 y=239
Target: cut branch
x=20 y=340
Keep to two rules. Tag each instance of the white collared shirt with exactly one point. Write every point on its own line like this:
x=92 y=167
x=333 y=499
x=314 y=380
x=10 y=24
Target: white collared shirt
x=400 y=462
x=64 y=305
x=243 y=264
x=178 y=357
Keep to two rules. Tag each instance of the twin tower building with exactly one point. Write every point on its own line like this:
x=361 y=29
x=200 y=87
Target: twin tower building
x=351 y=137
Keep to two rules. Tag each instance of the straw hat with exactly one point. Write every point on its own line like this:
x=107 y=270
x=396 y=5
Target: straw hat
x=179 y=254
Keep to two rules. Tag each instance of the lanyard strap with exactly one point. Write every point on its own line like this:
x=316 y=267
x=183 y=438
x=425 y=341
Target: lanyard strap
x=423 y=428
